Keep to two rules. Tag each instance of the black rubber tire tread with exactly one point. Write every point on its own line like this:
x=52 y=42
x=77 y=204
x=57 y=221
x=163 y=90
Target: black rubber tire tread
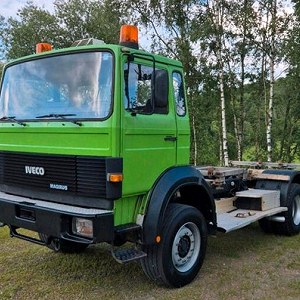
x=154 y=264
x=64 y=246
x=288 y=227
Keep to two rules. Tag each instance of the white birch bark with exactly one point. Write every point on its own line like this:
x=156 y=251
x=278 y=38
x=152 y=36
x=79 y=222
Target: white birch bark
x=238 y=137
x=223 y=114
x=221 y=160
x=219 y=24
x=272 y=79
x=270 y=112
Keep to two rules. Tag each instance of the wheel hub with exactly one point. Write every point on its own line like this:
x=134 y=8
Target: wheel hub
x=296 y=210
x=186 y=247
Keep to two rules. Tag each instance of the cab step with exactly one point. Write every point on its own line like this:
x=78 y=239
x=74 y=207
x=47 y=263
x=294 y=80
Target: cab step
x=126 y=255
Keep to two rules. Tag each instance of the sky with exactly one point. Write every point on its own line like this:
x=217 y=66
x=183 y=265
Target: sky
x=9 y=8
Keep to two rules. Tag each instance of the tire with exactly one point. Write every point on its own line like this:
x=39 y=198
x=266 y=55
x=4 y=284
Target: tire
x=291 y=226
x=177 y=259
x=63 y=246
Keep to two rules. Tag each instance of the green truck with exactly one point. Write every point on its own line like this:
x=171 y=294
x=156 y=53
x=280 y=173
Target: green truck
x=94 y=147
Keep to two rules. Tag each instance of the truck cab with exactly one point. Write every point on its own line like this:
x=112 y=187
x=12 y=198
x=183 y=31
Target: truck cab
x=94 y=147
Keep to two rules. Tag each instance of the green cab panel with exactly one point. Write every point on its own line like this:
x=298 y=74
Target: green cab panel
x=58 y=138
x=147 y=150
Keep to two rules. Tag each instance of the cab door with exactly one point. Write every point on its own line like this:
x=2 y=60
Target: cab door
x=148 y=126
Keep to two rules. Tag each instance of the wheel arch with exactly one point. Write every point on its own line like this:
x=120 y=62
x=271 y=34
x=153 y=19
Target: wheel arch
x=185 y=185
x=296 y=178
x=284 y=185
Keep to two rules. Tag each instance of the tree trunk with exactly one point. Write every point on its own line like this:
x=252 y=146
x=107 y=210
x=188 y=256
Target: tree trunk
x=270 y=112
x=223 y=115
x=236 y=131
x=240 y=127
x=272 y=80
x=195 y=140
x=285 y=129
x=219 y=12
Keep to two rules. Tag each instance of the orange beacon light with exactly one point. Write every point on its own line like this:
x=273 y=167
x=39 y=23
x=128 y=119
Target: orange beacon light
x=43 y=47
x=129 y=36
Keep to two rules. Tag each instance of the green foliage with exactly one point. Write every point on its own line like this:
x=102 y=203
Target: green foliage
x=33 y=26
x=192 y=31
x=2 y=47
x=1 y=69
x=72 y=20
x=82 y=19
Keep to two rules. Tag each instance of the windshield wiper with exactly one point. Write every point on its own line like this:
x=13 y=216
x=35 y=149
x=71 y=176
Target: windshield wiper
x=60 y=116
x=12 y=119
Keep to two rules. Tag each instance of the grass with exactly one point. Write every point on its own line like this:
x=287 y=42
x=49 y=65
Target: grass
x=246 y=264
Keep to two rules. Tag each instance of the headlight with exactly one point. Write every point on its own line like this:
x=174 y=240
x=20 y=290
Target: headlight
x=83 y=227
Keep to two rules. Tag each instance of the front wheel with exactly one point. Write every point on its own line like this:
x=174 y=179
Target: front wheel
x=177 y=259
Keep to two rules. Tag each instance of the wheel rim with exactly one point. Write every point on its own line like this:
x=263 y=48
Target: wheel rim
x=186 y=247
x=296 y=210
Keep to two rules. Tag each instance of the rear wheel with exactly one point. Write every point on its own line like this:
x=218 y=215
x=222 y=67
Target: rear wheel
x=60 y=245
x=291 y=225
x=177 y=259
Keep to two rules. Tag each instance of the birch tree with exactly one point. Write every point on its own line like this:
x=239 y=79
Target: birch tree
x=216 y=10
x=272 y=57
x=170 y=24
x=244 y=21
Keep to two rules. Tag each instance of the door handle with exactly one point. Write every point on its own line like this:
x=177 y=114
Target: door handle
x=170 y=138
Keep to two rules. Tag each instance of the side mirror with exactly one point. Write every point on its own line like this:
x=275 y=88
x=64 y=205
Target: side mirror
x=161 y=92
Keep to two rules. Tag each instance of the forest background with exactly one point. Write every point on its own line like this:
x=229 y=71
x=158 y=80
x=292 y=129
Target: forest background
x=240 y=57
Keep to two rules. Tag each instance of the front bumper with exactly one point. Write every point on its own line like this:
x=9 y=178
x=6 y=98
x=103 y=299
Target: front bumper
x=53 y=219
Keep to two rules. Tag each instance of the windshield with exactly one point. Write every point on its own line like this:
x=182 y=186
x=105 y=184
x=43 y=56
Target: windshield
x=74 y=85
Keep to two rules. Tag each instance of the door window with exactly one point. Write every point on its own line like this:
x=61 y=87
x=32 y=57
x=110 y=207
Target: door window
x=139 y=87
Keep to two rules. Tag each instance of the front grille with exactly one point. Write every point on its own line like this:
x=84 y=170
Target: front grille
x=91 y=176
x=64 y=174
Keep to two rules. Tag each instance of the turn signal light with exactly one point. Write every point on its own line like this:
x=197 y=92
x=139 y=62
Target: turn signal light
x=129 y=36
x=43 y=47
x=115 y=177
x=158 y=239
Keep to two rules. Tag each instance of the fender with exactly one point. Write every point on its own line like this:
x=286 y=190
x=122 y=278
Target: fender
x=283 y=186
x=160 y=195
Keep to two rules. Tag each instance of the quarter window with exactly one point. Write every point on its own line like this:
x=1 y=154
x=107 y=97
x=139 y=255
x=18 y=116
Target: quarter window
x=179 y=94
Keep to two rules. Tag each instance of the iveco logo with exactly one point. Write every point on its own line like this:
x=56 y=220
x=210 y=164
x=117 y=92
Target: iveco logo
x=35 y=170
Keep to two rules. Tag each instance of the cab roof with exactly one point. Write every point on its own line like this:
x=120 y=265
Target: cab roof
x=115 y=48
